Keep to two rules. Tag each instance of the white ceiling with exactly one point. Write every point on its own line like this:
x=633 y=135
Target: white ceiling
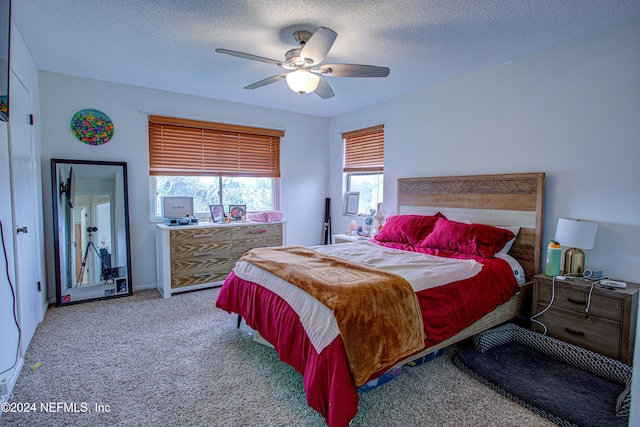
x=169 y=44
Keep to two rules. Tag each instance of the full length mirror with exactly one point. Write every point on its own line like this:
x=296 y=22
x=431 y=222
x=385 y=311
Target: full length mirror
x=91 y=230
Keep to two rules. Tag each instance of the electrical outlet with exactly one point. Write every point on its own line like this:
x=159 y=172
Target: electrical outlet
x=4 y=387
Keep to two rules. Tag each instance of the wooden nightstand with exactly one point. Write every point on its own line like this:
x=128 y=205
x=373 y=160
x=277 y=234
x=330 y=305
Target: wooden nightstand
x=607 y=328
x=346 y=238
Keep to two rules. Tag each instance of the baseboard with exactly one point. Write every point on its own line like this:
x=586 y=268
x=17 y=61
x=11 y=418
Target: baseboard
x=12 y=379
x=45 y=307
x=145 y=287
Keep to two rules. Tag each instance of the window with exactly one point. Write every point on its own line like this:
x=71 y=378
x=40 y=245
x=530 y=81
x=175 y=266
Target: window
x=214 y=163
x=364 y=165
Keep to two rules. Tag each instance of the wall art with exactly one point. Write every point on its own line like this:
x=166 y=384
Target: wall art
x=92 y=127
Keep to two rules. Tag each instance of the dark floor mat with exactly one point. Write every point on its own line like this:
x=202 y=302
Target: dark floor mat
x=562 y=393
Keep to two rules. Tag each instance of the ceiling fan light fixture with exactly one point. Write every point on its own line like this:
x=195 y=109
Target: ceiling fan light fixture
x=304 y=72
x=302 y=81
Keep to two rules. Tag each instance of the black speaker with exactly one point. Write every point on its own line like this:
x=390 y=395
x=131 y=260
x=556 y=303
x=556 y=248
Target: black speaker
x=327 y=221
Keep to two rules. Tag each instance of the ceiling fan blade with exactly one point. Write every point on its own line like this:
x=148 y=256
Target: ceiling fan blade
x=323 y=90
x=249 y=56
x=266 y=81
x=317 y=47
x=353 y=70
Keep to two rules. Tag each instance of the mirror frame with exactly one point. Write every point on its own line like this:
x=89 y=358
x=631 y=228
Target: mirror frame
x=56 y=194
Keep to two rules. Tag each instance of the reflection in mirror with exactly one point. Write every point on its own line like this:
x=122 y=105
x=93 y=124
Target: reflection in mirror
x=91 y=230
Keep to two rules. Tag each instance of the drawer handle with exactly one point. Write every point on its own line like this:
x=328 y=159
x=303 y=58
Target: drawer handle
x=203 y=253
x=575 y=301
x=203 y=274
x=573 y=332
x=257 y=231
x=201 y=236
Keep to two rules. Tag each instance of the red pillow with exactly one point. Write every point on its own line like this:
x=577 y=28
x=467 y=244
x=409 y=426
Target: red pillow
x=471 y=239
x=410 y=229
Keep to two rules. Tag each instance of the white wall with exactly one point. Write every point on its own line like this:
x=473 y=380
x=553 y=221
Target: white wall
x=634 y=418
x=304 y=154
x=571 y=112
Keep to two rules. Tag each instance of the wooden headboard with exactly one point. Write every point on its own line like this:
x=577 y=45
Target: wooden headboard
x=507 y=200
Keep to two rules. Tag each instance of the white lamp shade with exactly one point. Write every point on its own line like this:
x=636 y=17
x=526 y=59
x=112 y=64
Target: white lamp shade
x=576 y=233
x=302 y=81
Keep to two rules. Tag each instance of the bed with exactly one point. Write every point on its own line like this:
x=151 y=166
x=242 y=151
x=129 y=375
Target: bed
x=342 y=315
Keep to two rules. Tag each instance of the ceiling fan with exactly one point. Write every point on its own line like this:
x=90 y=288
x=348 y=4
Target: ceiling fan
x=305 y=74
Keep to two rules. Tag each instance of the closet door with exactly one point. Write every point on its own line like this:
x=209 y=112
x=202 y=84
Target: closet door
x=24 y=192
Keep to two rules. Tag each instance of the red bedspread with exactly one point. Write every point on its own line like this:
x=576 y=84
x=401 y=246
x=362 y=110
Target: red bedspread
x=328 y=384
x=327 y=381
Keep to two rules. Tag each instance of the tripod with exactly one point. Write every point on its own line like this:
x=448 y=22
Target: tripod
x=90 y=244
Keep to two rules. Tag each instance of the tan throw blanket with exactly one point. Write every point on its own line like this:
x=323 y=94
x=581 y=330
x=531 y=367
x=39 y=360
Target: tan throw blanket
x=377 y=312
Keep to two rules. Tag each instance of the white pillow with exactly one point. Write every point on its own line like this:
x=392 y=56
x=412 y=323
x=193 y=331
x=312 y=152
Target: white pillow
x=517 y=269
x=515 y=231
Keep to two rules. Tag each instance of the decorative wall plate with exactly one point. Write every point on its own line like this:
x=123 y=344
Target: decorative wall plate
x=92 y=127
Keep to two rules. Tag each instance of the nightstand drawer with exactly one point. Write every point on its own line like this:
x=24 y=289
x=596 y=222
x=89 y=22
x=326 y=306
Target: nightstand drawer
x=576 y=298
x=599 y=335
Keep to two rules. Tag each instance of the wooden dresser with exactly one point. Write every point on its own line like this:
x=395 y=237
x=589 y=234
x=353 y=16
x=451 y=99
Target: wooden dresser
x=201 y=256
x=607 y=328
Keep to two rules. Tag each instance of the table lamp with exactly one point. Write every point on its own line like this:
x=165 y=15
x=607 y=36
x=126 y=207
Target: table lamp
x=577 y=235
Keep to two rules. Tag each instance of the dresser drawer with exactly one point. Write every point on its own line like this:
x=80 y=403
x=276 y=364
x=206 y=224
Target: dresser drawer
x=257 y=231
x=193 y=267
x=576 y=299
x=198 y=278
x=240 y=247
x=201 y=250
x=196 y=236
x=593 y=333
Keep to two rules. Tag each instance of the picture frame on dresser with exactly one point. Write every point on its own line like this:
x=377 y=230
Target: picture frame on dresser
x=238 y=212
x=217 y=213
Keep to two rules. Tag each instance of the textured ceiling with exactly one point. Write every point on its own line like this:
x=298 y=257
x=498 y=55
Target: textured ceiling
x=169 y=44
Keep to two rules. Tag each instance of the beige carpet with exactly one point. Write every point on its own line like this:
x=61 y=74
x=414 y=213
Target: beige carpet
x=149 y=361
